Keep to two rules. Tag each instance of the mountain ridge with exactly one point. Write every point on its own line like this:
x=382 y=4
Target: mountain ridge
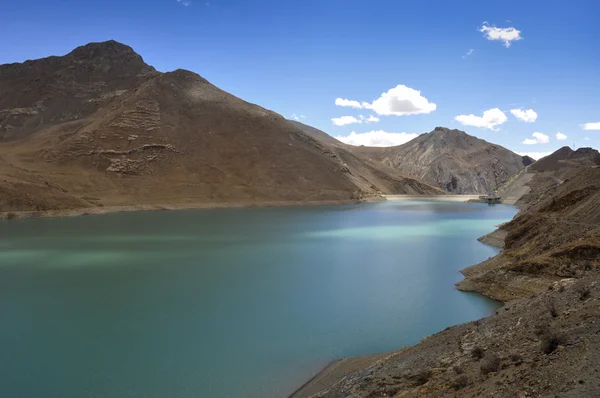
x=452 y=160
x=447 y=158
x=99 y=127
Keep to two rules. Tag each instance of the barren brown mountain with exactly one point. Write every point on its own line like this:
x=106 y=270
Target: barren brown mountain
x=99 y=127
x=319 y=134
x=452 y=160
x=556 y=235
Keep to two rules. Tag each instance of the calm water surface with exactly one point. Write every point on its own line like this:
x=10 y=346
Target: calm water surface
x=227 y=302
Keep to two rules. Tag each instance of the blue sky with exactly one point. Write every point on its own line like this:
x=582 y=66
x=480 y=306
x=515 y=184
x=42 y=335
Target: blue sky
x=298 y=57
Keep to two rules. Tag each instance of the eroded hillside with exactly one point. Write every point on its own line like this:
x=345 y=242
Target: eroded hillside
x=98 y=127
x=451 y=160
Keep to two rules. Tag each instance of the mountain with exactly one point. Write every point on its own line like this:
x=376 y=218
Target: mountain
x=555 y=235
x=565 y=157
x=452 y=160
x=318 y=134
x=99 y=127
x=56 y=90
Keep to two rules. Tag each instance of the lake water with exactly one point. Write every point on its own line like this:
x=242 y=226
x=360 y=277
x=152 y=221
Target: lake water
x=227 y=302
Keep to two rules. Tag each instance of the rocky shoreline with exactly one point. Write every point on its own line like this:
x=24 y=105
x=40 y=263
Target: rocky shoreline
x=545 y=340
x=337 y=370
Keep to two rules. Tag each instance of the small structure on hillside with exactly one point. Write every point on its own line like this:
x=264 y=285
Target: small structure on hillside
x=491 y=198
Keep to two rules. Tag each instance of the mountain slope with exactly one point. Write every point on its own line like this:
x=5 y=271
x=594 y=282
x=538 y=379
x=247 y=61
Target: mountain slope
x=556 y=235
x=317 y=134
x=100 y=127
x=373 y=170
x=452 y=160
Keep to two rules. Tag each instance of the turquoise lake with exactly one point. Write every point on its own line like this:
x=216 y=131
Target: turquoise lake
x=227 y=302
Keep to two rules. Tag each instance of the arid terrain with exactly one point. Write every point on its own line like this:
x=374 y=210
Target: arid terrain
x=98 y=128
x=545 y=341
x=452 y=160
x=448 y=159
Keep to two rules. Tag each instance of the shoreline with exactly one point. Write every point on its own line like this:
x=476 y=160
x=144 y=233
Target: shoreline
x=338 y=366
x=317 y=375
x=90 y=211
x=98 y=210
x=435 y=198
x=330 y=370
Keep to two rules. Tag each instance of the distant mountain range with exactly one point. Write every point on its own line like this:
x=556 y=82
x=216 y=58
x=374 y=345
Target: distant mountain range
x=449 y=159
x=100 y=127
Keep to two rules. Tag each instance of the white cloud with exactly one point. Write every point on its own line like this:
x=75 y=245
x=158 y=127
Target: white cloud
x=184 y=3
x=377 y=138
x=587 y=139
x=535 y=155
x=371 y=119
x=591 y=126
x=507 y=35
x=561 y=136
x=298 y=118
x=490 y=119
x=348 y=103
x=471 y=51
x=538 y=138
x=344 y=120
x=401 y=100
x=529 y=115
x=398 y=101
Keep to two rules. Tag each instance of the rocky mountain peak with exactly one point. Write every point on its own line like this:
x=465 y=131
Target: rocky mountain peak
x=445 y=130
x=441 y=129
x=453 y=160
x=110 y=54
x=442 y=137
x=65 y=88
x=105 y=49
